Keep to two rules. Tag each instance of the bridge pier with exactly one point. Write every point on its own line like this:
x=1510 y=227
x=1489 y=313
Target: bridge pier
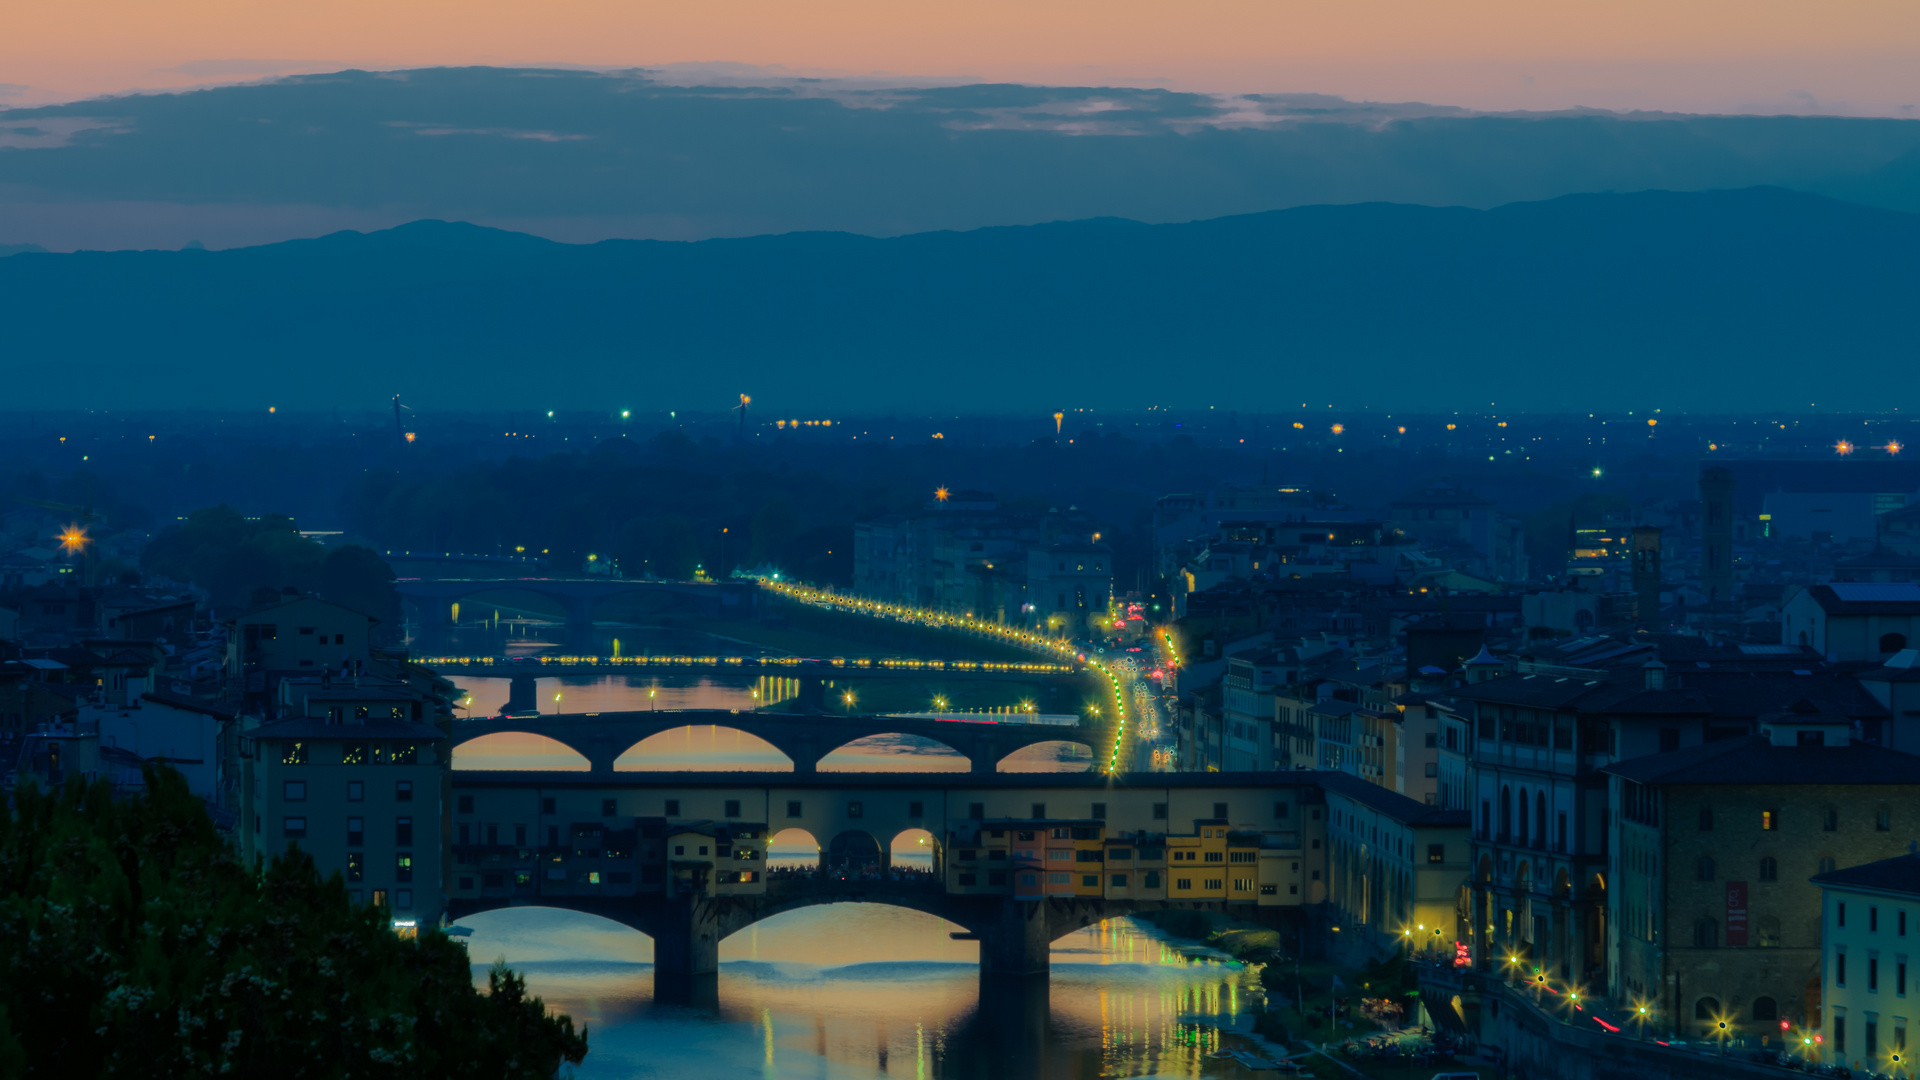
x=523 y=696
x=686 y=941
x=1018 y=941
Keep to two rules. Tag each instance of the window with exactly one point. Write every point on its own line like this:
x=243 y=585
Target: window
x=1830 y=820
x=1873 y=920
x=1119 y=881
x=1159 y=811
x=1242 y=884
x=466 y=834
x=976 y=811
x=1827 y=864
x=610 y=807
x=403 y=831
x=547 y=807
x=1436 y=853
x=996 y=877
x=356 y=866
x=405 y=753
x=1883 y=820
x=403 y=867
x=1703 y=870
x=1706 y=819
x=1892 y=642
x=403 y=899
x=294 y=753
x=1839 y=1032
x=732 y=808
x=1706 y=1008
x=403 y=791
x=295 y=828
x=1769 y=869
x=855 y=809
x=1769 y=820
x=1220 y=810
x=1282 y=810
x=1433 y=768
x=1669 y=739
x=1183 y=883
x=1152 y=880
x=294 y=791
x=519 y=835
x=1900 y=976
x=1706 y=934
x=356 y=791
x=1039 y=810
x=356 y=831
x=793 y=808
x=1090 y=881
x=466 y=804
x=1840 y=968
x=1873 y=974
x=1099 y=812
x=353 y=753
x=1840 y=914
x=968 y=879
x=914 y=809
x=1215 y=883
x=1765 y=1009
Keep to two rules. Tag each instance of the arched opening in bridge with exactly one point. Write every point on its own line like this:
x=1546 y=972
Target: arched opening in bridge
x=915 y=852
x=792 y=852
x=891 y=752
x=841 y=935
x=703 y=748
x=533 y=934
x=856 y=856
x=518 y=750
x=1053 y=756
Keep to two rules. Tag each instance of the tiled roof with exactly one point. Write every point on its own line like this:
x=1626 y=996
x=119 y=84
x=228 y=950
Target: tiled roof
x=1900 y=874
x=1754 y=759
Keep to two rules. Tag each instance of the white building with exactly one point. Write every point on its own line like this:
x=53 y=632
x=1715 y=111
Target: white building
x=1868 y=925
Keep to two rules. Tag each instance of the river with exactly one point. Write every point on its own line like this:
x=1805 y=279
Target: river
x=852 y=990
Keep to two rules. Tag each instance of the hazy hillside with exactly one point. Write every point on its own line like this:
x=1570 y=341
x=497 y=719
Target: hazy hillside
x=1737 y=299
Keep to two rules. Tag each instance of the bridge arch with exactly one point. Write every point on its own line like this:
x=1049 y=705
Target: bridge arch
x=1049 y=756
x=794 y=849
x=916 y=850
x=520 y=750
x=892 y=751
x=703 y=748
x=855 y=854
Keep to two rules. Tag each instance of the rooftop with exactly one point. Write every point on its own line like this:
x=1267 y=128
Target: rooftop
x=1755 y=760
x=1900 y=874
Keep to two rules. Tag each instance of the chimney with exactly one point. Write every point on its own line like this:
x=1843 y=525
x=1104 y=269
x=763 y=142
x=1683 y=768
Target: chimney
x=1656 y=673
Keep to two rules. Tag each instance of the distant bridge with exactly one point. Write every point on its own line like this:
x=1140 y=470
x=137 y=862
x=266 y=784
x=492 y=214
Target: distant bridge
x=602 y=737
x=810 y=677
x=578 y=597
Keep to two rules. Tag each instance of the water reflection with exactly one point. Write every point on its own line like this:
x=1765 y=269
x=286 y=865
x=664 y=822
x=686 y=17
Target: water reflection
x=858 y=990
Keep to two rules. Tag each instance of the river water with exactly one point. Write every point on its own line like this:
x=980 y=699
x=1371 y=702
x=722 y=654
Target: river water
x=849 y=990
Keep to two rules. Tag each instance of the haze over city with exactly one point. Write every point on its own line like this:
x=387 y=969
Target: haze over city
x=988 y=540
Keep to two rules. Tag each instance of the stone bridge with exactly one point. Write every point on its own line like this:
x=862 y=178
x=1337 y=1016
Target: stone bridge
x=522 y=839
x=810 y=677
x=602 y=737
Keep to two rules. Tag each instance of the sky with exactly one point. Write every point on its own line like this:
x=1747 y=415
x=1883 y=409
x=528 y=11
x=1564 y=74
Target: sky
x=1843 y=57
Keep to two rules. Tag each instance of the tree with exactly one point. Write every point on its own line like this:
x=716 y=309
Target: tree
x=136 y=943
x=239 y=561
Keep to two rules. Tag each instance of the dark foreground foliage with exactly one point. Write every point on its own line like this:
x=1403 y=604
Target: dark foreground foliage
x=133 y=942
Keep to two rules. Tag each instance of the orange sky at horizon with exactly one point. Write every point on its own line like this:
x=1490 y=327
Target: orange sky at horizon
x=1859 y=57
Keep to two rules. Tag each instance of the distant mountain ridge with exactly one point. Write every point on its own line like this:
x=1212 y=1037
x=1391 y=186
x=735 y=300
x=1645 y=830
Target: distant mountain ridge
x=582 y=155
x=1754 y=298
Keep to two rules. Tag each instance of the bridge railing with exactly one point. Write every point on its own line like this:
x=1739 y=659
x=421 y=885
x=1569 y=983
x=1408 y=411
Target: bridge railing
x=783 y=664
